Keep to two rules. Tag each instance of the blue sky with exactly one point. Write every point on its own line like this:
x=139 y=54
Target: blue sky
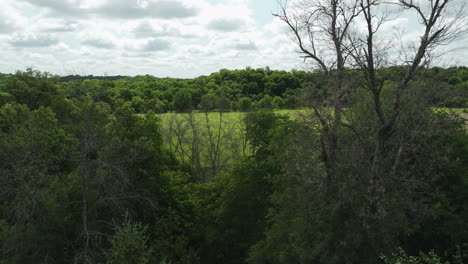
x=175 y=38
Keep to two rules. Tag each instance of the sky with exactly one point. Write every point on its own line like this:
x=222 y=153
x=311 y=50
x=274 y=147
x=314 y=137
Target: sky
x=164 y=38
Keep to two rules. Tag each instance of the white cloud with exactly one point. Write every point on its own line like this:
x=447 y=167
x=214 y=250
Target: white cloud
x=59 y=26
x=99 y=43
x=123 y=9
x=135 y=9
x=33 y=40
x=178 y=38
x=245 y=45
x=156 y=45
x=6 y=27
x=225 y=24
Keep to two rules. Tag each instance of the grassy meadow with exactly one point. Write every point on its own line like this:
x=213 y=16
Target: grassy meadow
x=208 y=140
x=211 y=140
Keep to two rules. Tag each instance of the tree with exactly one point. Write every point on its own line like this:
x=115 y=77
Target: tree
x=245 y=104
x=209 y=102
x=182 y=101
x=278 y=102
x=36 y=154
x=32 y=88
x=365 y=133
x=130 y=245
x=244 y=190
x=325 y=22
x=266 y=102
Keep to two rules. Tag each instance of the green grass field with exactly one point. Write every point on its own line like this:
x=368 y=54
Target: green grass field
x=209 y=141
x=212 y=140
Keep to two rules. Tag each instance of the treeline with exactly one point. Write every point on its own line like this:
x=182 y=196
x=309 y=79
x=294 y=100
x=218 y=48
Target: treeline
x=249 y=89
x=89 y=77
x=225 y=90
x=237 y=90
x=85 y=179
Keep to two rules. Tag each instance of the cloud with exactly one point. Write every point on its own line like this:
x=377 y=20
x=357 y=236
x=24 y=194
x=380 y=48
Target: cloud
x=250 y=45
x=122 y=9
x=99 y=43
x=145 y=30
x=133 y=9
x=61 y=27
x=172 y=9
x=33 y=41
x=156 y=45
x=64 y=7
x=7 y=24
x=6 y=27
x=225 y=24
x=189 y=37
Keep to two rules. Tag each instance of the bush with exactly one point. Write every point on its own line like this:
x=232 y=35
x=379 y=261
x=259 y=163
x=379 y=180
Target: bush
x=278 y=102
x=129 y=245
x=456 y=101
x=245 y=104
x=266 y=102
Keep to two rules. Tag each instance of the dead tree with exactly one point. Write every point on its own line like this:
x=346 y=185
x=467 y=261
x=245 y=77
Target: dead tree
x=195 y=142
x=324 y=33
x=375 y=152
x=320 y=30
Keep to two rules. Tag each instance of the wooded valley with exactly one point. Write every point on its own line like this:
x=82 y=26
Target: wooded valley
x=92 y=169
x=362 y=159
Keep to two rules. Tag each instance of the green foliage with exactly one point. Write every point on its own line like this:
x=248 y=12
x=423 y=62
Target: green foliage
x=448 y=217
x=257 y=126
x=399 y=256
x=309 y=224
x=130 y=244
x=240 y=213
x=245 y=104
x=278 y=102
x=78 y=153
x=456 y=101
x=218 y=91
x=223 y=103
x=291 y=101
x=209 y=102
x=36 y=152
x=32 y=88
x=5 y=97
x=182 y=100
x=266 y=102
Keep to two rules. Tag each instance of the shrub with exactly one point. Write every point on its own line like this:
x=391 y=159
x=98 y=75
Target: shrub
x=129 y=245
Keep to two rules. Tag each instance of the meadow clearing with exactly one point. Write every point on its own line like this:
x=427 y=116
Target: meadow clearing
x=210 y=141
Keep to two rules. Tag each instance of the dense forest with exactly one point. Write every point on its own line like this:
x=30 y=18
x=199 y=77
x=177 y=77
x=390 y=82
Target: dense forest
x=227 y=90
x=363 y=159
x=88 y=176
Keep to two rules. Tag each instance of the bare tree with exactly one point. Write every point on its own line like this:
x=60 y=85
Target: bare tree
x=177 y=134
x=441 y=25
x=324 y=32
x=320 y=30
x=206 y=140
x=195 y=142
x=377 y=151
